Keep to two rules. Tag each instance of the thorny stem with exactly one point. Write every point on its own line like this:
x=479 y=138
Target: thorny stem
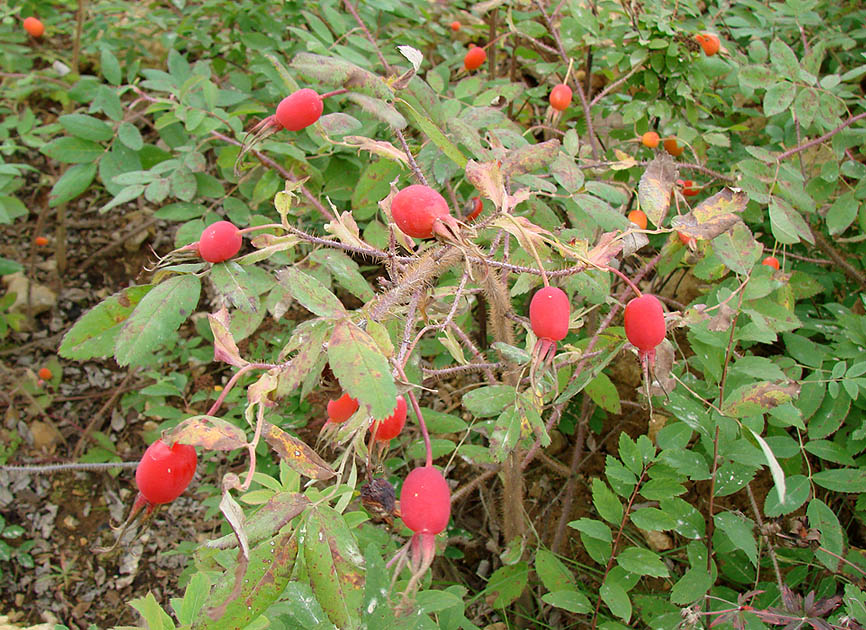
x=412 y=163
x=465 y=489
x=406 y=348
x=418 y=415
x=619 y=532
x=811 y=143
x=368 y=35
x=469 y=367
x=48 y=468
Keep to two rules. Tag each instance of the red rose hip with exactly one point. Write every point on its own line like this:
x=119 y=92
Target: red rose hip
x=474 y=58
x=560 y=97
x=390 y=427
x=417 y=208
x=548 y=313
x=299 y=109
x=219 y=241
x=645 y=322
x=342 y=409
x=425 y=501
x=164 y=473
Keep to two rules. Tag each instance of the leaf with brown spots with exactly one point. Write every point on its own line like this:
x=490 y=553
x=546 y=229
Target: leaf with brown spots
x=335 y=566
x=757 y=398
x=208 y=432
x=224 y=347
x=362 y=369
x=299 y=457
x=655 y=186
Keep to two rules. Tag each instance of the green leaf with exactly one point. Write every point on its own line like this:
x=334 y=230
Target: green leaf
x=779 y=97
x=362 y=369
x=775 y=469
x=86 y=127
x=787 y=225
x=335 y=566
x=238 y=287
x=345 y=272
x=569 y=599
x=552 y=572
x=154 y=616
x=797 y=493
x=616 y=598
x=95 y=334
x=130 y=136
x=507 y=583
x=822 y=518
x=72 y=183
x=603 y=392
x=642 y=562
x=187 y=608
x=756 y=398
x=110 y=67
x=310 y=293
x=784 y=60
x=652 y=519
x=432 y=131
x=842 y=213
x=606 y=502
x=841 y=479
x=692 y=586
x=11 y=208
x=740 y=532
x=738 y=249
x=491 y=400
x=156 y=318
x=73 y=150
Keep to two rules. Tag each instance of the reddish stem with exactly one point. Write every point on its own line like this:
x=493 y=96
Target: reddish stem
x=418 y=415
x=333 y=93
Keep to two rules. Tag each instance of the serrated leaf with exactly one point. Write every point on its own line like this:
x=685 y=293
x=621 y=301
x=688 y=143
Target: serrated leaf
x=642 y=562
x=756 y=398
x=95 y=334
x=491 y=400
x=299 y=457
x=86 y=127
x=507 y=583
x=158 y=315
x=787 y=224
x=655 y=186
x=310 y=293
x=335 y=567
x=362 y=369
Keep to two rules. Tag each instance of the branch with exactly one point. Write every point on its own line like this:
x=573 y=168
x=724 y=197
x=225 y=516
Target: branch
x=820 y=139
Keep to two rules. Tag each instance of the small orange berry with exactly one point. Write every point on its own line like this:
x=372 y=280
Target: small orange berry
x=685 y=239
x=41 y=241
x=33 y=26
x=771 y=261
x=474 y=58
x=638 y=217
x=650 y=139
x=672 y=147
x=560 y=97
x=709 y=42
x=45 y=374
x=455 y=26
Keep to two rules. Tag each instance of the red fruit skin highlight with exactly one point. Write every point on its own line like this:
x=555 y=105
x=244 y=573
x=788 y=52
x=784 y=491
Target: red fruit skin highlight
x=416 y=208
x=342 y=409
x=549 y=310
x=425 y=501
x=219 y=241
x=390 y=427
x=299 y=109
x=645 y=322
x=164 y=473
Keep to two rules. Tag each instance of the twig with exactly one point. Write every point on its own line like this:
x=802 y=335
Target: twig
x=849 y=269
x=610 y=88
x=466 y=488
x=412 y=163
x=811 y=143
x=71 y=466
x=368 y=35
